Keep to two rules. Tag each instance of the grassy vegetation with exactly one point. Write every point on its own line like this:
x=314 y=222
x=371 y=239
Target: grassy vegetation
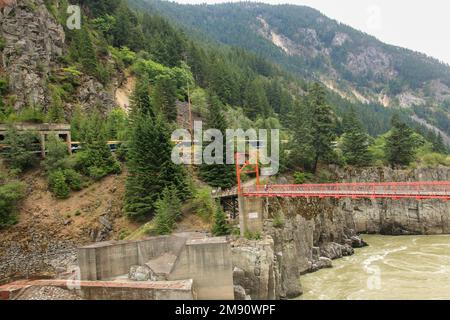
x=11 y=192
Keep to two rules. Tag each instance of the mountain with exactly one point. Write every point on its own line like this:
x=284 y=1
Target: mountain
x=353 y=64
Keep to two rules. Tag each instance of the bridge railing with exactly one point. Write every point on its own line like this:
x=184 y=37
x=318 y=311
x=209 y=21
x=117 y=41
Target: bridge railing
x=423 y=189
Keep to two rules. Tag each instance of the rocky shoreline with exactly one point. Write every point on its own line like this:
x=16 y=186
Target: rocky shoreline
x=316 y=231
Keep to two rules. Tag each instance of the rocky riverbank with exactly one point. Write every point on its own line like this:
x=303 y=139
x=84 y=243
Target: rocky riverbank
x=316 y=231
x=270 y=268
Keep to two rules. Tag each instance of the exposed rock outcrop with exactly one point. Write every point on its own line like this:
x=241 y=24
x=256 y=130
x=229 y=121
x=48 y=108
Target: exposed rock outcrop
x=316 y=231
x=396 y=217
x=33 y=43
x=256 y=268
x=311 y=236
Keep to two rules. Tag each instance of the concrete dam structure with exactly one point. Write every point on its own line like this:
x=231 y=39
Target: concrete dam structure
x=206 y=262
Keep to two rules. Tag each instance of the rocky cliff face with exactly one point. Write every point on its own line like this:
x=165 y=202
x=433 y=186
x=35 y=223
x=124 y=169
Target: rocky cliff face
x=34 y=47
x=396 y=217
x=33 y=43
x=310 y=237
x=316 y=231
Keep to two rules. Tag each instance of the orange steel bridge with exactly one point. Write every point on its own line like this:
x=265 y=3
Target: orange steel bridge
x=387 y=190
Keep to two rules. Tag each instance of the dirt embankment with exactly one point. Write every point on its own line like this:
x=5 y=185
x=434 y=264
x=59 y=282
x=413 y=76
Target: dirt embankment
x=44 y=240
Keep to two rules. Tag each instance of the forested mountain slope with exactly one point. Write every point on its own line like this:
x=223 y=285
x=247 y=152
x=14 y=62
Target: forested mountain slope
x=355 y=65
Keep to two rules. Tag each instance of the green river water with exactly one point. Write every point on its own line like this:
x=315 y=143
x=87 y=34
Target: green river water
x=407 y=267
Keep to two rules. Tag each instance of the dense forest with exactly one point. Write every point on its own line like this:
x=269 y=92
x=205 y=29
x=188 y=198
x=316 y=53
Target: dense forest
x=229 y=87
x=319 y=48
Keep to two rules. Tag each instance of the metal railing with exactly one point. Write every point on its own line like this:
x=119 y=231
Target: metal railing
x=393 y=190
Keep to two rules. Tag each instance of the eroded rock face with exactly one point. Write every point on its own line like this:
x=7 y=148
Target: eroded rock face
x=240 y=294
x=396 y=217
x=256 y=268
x=316 y=231
x=33 y=43
x=335 y=250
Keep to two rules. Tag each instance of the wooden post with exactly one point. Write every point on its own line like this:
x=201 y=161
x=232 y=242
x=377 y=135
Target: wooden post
x=43 y=145
x=69 y=142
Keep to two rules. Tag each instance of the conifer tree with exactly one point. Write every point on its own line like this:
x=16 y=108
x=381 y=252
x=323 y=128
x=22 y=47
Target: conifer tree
x=220 y=227
x=400 y=145
x=164 y=97
x=355 y=141
x=217 y=175
x=302 y=152
x=255 y=100
x=76 y=123
x=86 y=51
x=140 y=99
x=95 y=159
x=439 y=144
x=168 y=210
x=56 y=111
x=322 y=123
x=151 y=169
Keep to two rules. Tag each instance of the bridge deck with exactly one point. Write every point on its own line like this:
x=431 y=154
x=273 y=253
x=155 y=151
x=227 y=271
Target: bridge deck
x=390 y=190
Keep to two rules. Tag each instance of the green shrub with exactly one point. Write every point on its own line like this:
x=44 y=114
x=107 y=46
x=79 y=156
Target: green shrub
x=235 y=231
x=278 y=221
x=123 y=233
x=56 y=153
x=434 y=160
x=32 y=114
x=58 y=184
x=121 y=152
x=301 y=177
x=220 y=227
x=3 y=85
x=115 y=168
x=10 y=194
x=252 y=235
x=204 y=204
x=96 y=173
x=73 y=179
x=20 y=145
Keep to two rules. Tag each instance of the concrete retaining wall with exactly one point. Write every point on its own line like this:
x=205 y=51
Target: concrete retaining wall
x=109 y=290
x=110 y=259
x=209 y=263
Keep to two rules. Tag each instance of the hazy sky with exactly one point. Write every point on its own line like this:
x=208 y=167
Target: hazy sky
x=420 y=25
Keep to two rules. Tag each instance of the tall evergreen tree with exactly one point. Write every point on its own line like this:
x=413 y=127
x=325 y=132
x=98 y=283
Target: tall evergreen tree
x=76 y=121
x=220 y=226
x=300 y=123
x=86 y=51
x=141 y=101
x=400 y=145
x=168 y=210
x=55 y=113
x=322 y=123
x=255 y=100
x=217 y=175
x=355 y=142
x=95 y=159
x=151 y=169
x=164 y=97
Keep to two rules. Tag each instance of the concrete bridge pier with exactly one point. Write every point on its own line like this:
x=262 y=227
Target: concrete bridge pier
x=251 y=214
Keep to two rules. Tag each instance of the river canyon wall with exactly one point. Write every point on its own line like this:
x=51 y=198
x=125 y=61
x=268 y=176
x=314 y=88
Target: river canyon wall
x=304 y=235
